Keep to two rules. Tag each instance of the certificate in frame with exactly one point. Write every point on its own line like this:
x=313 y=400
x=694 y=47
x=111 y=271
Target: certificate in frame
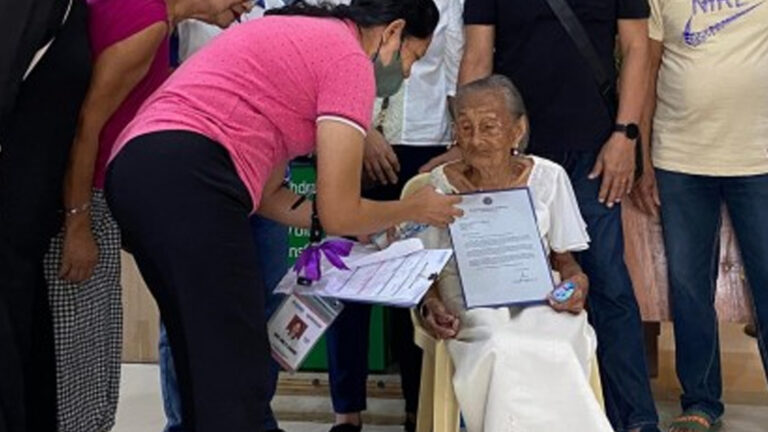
x=498 y=245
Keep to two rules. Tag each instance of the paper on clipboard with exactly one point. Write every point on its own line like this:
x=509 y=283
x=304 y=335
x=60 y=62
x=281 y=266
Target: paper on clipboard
x=397 y=276
x=394 y=251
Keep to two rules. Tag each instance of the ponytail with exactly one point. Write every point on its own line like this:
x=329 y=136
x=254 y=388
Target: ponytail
x=420 y=16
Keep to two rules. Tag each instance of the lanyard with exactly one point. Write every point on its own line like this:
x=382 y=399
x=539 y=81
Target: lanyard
x=315 y=231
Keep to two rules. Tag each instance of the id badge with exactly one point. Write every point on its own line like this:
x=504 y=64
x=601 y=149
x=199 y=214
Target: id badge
x=297 y=326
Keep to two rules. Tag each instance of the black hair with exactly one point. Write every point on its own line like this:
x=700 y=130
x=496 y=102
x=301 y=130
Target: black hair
x=420 y=16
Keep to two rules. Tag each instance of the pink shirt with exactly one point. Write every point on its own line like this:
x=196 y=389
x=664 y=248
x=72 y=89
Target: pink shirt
x=259 y=88
x=111 y=21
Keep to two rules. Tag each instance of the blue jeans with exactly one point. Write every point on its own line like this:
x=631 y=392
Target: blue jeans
x=613 y=309
x=273 y=252
x=691 y=219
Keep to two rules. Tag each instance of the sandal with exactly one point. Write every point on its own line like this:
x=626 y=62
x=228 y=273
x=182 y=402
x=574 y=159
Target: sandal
x=692 y=421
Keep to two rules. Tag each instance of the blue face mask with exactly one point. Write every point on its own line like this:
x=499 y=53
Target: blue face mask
x=389 y=77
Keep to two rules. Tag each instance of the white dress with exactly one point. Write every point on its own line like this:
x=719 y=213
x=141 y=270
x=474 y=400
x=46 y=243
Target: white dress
x=524 y=369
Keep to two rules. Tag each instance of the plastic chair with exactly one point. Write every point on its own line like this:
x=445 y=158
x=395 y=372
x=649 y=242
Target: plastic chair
x=438 y=407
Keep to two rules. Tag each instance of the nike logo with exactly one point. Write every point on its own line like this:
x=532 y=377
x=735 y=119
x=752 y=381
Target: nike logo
x=696 y=38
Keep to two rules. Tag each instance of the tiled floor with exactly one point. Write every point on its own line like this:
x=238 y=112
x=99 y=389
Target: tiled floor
x=140 y=408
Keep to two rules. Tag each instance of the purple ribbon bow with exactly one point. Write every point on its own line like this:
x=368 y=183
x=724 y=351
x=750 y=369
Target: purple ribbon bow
x=308 y=263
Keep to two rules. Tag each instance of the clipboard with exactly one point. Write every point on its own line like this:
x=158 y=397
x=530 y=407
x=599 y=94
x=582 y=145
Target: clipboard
x=399 y=276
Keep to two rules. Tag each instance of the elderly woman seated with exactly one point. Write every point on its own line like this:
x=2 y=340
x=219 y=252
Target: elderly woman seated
x=517 y=369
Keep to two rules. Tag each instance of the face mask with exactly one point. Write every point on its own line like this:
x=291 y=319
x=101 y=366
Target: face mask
x=389 y=77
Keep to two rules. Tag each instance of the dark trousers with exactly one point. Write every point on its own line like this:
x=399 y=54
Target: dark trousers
x=35 y=140
x=184 y=213
x=348 y=336
x=691 y=218
x=271 y=239
x=613 y=308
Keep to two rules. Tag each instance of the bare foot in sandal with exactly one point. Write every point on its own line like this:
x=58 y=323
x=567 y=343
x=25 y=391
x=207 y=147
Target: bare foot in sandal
x=692 y=421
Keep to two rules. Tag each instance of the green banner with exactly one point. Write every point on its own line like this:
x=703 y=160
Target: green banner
x=302 y=183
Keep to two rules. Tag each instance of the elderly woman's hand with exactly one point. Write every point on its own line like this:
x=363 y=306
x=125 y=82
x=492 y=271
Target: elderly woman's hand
x=575 y=304
x=438 y=320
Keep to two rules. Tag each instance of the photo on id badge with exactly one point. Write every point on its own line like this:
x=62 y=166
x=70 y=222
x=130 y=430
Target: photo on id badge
x=296 y=328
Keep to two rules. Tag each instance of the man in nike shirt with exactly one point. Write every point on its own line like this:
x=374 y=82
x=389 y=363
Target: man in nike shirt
x=708 y=107
x=572 y=124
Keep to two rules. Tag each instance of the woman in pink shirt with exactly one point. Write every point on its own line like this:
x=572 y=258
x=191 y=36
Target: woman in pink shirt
x=130 y=48
x=210 y=147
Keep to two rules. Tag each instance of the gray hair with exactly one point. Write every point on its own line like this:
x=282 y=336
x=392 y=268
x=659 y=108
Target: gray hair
x=512 y=98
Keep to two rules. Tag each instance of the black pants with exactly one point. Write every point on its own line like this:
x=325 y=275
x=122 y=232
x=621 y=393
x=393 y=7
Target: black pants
x=35 y=138
x=183 y=212
x=348 y=339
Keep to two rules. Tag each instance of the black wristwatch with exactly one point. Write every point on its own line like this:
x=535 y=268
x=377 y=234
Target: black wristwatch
x=631 y=130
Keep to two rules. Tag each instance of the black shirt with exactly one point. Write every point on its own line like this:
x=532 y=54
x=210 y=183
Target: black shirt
x=533 y=49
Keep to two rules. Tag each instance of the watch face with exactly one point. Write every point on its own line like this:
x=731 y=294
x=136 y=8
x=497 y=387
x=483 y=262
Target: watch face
x=632 y=131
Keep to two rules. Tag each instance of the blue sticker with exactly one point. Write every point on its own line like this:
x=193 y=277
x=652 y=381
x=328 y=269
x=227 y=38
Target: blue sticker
x=564 y=292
